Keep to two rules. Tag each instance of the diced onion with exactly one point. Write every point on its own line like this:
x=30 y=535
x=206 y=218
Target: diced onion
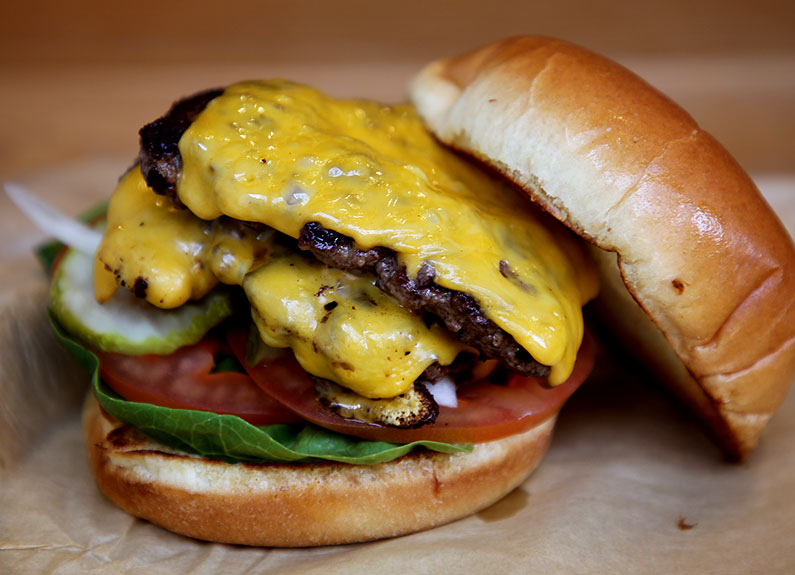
x=443 y=391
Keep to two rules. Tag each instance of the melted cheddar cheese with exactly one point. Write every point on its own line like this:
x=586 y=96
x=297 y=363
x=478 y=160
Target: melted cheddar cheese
x=283 y=155
x=167 y=254
x=340 y=327
x=343 y=328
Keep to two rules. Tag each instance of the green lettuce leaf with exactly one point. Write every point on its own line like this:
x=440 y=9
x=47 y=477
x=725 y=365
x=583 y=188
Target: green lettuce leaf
x=229 y=438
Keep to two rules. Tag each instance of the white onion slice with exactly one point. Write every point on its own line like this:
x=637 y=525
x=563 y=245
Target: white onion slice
x=52 y=222
x=443 y=391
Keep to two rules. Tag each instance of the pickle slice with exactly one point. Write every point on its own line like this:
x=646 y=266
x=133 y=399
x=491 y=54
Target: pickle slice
x=125 y=323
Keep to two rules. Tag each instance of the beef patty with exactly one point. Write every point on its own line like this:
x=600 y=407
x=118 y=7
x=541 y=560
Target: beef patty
x=457 y=311
x=159 y=155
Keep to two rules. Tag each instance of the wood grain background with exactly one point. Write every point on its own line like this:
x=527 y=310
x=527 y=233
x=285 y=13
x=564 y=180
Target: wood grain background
x=78 y=78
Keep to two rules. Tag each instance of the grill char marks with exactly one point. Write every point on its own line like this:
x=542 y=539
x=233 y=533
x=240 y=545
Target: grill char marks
x=409 y=410
x=457 y=311
x=159 y=155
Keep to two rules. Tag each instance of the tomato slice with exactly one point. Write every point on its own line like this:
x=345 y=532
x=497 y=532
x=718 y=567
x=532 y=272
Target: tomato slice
x=485 y=411
x=183 y=380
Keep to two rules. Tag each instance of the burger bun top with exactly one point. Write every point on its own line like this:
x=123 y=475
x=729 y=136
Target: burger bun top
x=696 y=246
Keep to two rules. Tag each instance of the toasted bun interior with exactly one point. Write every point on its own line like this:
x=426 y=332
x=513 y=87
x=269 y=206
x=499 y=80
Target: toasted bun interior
x=291 y=505
x=688 y=236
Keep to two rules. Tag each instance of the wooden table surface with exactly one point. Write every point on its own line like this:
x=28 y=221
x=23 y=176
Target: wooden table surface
x=78 y=79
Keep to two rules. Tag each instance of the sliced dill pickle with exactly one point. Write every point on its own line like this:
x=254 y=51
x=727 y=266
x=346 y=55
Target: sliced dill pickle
x=125 y=323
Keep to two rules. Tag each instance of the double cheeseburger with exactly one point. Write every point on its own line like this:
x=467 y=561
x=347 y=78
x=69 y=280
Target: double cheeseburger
x=384 y=310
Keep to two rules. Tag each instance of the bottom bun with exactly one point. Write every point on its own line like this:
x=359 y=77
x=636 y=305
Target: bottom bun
x=296 y=505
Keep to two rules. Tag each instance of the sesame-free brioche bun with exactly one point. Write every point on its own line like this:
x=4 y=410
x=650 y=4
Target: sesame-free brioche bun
x=696 y=246
x=296 y=505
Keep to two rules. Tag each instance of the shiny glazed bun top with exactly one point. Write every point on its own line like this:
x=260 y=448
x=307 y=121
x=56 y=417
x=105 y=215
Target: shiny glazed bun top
x=697 y=247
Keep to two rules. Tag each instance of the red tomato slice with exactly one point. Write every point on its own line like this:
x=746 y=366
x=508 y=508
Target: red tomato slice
x=485 y=411
x=183 y=380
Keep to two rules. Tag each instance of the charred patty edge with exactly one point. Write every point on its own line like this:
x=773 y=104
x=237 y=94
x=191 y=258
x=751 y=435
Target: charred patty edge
x=457 y=311
x=159 y=155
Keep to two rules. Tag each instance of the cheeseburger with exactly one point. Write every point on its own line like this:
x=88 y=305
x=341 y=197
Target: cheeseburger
x=317 y=321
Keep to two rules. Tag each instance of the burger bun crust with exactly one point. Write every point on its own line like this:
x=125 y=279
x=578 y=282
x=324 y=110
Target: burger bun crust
x=308 y=504
x=700 y=273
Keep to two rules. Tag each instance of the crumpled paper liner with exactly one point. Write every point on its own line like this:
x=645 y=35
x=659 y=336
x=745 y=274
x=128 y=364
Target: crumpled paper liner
x=630 y=484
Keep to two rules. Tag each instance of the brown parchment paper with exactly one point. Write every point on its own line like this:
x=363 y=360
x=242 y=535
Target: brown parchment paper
x=630 y=484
